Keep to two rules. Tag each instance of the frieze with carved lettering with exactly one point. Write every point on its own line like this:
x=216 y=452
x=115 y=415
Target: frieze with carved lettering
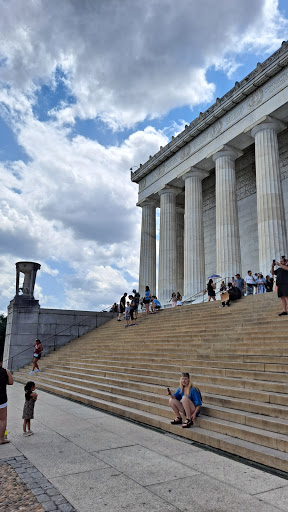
x=276 y=82
x=255 y=99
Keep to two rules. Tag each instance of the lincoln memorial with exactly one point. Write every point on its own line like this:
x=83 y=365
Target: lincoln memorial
x=221 y=186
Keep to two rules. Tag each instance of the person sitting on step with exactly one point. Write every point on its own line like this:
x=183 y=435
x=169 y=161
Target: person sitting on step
x=187 y=400
x=155 y=304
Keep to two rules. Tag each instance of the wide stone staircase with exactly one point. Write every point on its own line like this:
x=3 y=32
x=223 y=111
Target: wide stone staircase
x=238 y=356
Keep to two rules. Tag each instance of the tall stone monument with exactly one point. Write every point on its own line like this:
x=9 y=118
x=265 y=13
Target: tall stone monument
x=23 y=317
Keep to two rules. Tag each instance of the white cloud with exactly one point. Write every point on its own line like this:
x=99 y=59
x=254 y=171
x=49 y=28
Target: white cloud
x=120 y=57
x=74 y=202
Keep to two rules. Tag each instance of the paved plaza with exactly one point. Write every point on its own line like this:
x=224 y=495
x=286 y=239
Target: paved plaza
x=93 y=461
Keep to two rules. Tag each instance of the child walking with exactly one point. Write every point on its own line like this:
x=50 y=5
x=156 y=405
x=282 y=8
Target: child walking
x=28 y=410
x=127 y=314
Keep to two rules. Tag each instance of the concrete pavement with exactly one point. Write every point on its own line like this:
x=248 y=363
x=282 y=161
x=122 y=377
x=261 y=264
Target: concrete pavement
x=101 y=462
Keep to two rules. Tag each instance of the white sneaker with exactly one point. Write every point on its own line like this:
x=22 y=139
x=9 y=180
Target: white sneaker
x=26 y=434
x=37 y=370
x=31 y=373
x=30 y=433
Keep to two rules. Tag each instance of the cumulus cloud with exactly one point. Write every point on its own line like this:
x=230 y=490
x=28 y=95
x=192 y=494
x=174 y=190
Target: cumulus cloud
x=73 y=202
x=119 y=57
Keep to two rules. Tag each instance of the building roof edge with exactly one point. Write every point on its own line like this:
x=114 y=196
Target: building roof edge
x=260 y=75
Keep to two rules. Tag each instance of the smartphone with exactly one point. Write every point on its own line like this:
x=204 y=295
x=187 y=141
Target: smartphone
x=168 y=390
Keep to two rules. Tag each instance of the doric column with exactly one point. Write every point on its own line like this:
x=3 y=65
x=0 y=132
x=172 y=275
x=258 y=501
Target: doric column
x=180 y=250
x=228 y=255
x=167 y=243
x=272 y=234
x=194 y=260
x=147 y=269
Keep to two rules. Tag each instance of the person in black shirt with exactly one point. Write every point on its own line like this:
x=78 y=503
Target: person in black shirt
x=5 y=379
x=122 y=306
x=136 y=299
x=211 y=290
x=281 y=274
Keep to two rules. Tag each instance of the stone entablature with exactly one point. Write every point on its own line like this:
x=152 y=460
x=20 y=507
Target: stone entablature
x=223 y=108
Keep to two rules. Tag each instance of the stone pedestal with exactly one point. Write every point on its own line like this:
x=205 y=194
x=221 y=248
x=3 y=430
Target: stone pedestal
x=180 y=250
x=147 y=269
x=272 y=233
x=228 y=255
x=167 y=244
x=194 y=259
x=21 y=332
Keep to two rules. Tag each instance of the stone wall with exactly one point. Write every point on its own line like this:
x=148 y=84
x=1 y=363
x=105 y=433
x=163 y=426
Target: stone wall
x=54 y=327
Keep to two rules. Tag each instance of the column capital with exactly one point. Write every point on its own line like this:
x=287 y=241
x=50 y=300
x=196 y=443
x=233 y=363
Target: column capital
x=227 y=150
x=148 y=202
x=269 y=123
x=170 y=190
x=194 y=172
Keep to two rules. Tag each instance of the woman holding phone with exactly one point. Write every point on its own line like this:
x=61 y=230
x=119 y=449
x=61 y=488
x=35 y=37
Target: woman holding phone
x=186 y=401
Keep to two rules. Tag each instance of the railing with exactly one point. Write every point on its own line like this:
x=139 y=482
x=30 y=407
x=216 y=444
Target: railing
x=203 y=293
x=57 y=334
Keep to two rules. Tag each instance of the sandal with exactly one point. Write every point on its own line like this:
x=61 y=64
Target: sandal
x=177 y=421
x=188 y=424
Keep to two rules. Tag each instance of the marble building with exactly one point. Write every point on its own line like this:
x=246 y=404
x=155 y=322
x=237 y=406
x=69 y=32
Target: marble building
x=221 y=186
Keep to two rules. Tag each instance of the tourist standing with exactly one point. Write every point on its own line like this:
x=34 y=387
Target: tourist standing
x=127 y=314
x=281 y=274
x=136 y=299
x=147 y=299
x=239 y=282
x=5 y=379
x=122 y=305
x=211 y=290
x=249 y=283
x=28 y=410
x=261 y=284
x=179 y=299
x=173 y=299
x=37 y=352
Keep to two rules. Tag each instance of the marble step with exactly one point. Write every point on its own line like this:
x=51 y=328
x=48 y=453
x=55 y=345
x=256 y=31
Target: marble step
x=255 y=451
x=158 y=395
x=173 y=374
x=171 y=380
x=193 y=367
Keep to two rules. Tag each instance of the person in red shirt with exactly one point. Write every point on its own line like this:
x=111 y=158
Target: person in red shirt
x=37 y=351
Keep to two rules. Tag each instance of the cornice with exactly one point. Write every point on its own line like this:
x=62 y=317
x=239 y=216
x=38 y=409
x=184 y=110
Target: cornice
x=259 y=76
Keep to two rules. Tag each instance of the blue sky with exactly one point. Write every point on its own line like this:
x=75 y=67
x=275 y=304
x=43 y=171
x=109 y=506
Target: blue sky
x=88 y=91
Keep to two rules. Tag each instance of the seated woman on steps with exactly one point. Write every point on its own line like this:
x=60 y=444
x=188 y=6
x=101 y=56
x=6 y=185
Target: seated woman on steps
x=186 y=400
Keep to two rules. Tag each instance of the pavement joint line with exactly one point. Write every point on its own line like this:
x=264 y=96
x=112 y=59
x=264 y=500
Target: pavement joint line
x=115 y=448
x=47 y=494
x=238 y=458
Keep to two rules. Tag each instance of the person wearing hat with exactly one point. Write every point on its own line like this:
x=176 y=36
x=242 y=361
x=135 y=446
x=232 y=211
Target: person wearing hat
x=37 y=351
